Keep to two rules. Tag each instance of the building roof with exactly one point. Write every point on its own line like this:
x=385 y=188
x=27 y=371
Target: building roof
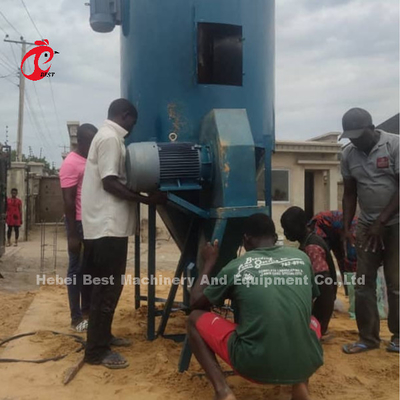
x=330 y=137
x=308 y=146
x=391 y=125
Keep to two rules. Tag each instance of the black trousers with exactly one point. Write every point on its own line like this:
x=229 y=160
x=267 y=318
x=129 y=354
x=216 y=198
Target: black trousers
x=9 y=231
x=367 y=314
x=324 y=303
x=107 y=256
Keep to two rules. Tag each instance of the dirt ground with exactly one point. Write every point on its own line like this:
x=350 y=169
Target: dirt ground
x=152 y=374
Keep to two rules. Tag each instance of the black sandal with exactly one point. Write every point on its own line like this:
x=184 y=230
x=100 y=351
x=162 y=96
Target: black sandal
x=357 y=348
x=120 y=342
x=114 y=360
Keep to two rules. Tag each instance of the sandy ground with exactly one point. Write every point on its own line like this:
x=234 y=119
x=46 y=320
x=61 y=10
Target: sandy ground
x=152 y=374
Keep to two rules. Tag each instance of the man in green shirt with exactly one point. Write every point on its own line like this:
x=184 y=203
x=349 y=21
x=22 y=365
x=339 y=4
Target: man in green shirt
x=276 y=339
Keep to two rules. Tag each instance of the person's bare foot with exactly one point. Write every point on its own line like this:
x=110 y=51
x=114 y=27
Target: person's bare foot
x=227 y=394
x=300 y=391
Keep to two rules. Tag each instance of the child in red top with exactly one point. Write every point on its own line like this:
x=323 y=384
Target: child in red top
x=14 y=216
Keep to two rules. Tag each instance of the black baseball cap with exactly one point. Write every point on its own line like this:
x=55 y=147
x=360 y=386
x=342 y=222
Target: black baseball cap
x=354 y=123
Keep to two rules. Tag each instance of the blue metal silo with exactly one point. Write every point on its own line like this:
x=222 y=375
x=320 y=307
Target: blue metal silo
x=183 y=58
x=201 y=74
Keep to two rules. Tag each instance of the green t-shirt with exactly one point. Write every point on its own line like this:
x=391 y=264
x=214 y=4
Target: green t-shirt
x=272 y=289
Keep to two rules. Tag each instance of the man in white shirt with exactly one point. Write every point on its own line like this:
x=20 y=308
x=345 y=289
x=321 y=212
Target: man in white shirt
x=109 y=218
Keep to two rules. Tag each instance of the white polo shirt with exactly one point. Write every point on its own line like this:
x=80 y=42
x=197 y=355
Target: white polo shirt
x=104 y=214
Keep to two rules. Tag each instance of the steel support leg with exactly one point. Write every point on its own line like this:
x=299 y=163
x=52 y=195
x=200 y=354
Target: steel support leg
x=186 y=353
x=137 y=260
x=188 y=252
x=151 y=271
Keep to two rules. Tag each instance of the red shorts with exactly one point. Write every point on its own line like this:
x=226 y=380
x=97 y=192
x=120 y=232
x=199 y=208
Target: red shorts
x=216 y=332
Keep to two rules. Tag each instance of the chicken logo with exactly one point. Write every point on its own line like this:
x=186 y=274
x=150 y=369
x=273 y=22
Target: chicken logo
x=42 y=48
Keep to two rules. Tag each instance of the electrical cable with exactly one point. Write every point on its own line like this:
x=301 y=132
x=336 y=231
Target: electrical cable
x=6 y=59
x=77 y=338
x=41 y=111
x=9 y=23
x=15 y=58
x=9 y=80
x=51 y=86
x=34 y=120
x=29 y=15
x=9 y=69
x=38 y=134
x=4 y=31
x=55 y=110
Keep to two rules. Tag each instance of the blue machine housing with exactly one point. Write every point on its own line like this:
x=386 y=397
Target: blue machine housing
x=200 y=72
x=160 y=65
x=181 y=59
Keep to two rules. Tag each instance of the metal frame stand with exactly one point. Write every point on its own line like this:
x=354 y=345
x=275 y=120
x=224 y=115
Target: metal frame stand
x=151 y=271
x=42 y=245
x=151 y=298
x=137 y=259
x=189 y=253
x=186 y=352
x=185 y=260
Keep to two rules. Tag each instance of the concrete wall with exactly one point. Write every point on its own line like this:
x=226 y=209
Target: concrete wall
x=326 y=177
x=296 y=185
x=17 y=178
x=49 y=205
x=35 y=176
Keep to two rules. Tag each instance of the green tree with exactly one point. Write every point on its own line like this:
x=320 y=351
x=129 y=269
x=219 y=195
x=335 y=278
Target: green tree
x=47 y=167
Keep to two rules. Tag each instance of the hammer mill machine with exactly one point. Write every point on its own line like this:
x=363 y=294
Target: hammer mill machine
x=201 y=74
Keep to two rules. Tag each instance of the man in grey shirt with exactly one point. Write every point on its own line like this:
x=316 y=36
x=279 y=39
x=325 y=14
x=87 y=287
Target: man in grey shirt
x=370 y=169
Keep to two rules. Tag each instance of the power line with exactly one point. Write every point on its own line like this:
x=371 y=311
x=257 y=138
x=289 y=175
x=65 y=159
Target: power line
x=8 y=68
x=9 y=80
x=51 y=86
x=29 y=15
x=15 y=58
x=38 y=136
x=21 y=98
x=55 y=110
x=35 y=122
x=34 y=116
x=5 y=76
x=4 y=58
x=3 y=31
x=41 y=110
x=9 y=23
x=35 y=128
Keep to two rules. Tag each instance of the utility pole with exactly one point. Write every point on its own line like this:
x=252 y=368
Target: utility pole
x=21 y=104
x=21 y=96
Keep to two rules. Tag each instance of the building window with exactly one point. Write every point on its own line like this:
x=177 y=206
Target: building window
x=280 y=185
x=219 y=54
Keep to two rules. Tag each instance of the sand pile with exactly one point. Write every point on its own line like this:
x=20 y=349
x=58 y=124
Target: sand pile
x=12 y=310
x=54 y=345
x=153 y=375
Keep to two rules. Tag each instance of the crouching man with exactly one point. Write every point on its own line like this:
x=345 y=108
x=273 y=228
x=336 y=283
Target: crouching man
x=275 y=340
